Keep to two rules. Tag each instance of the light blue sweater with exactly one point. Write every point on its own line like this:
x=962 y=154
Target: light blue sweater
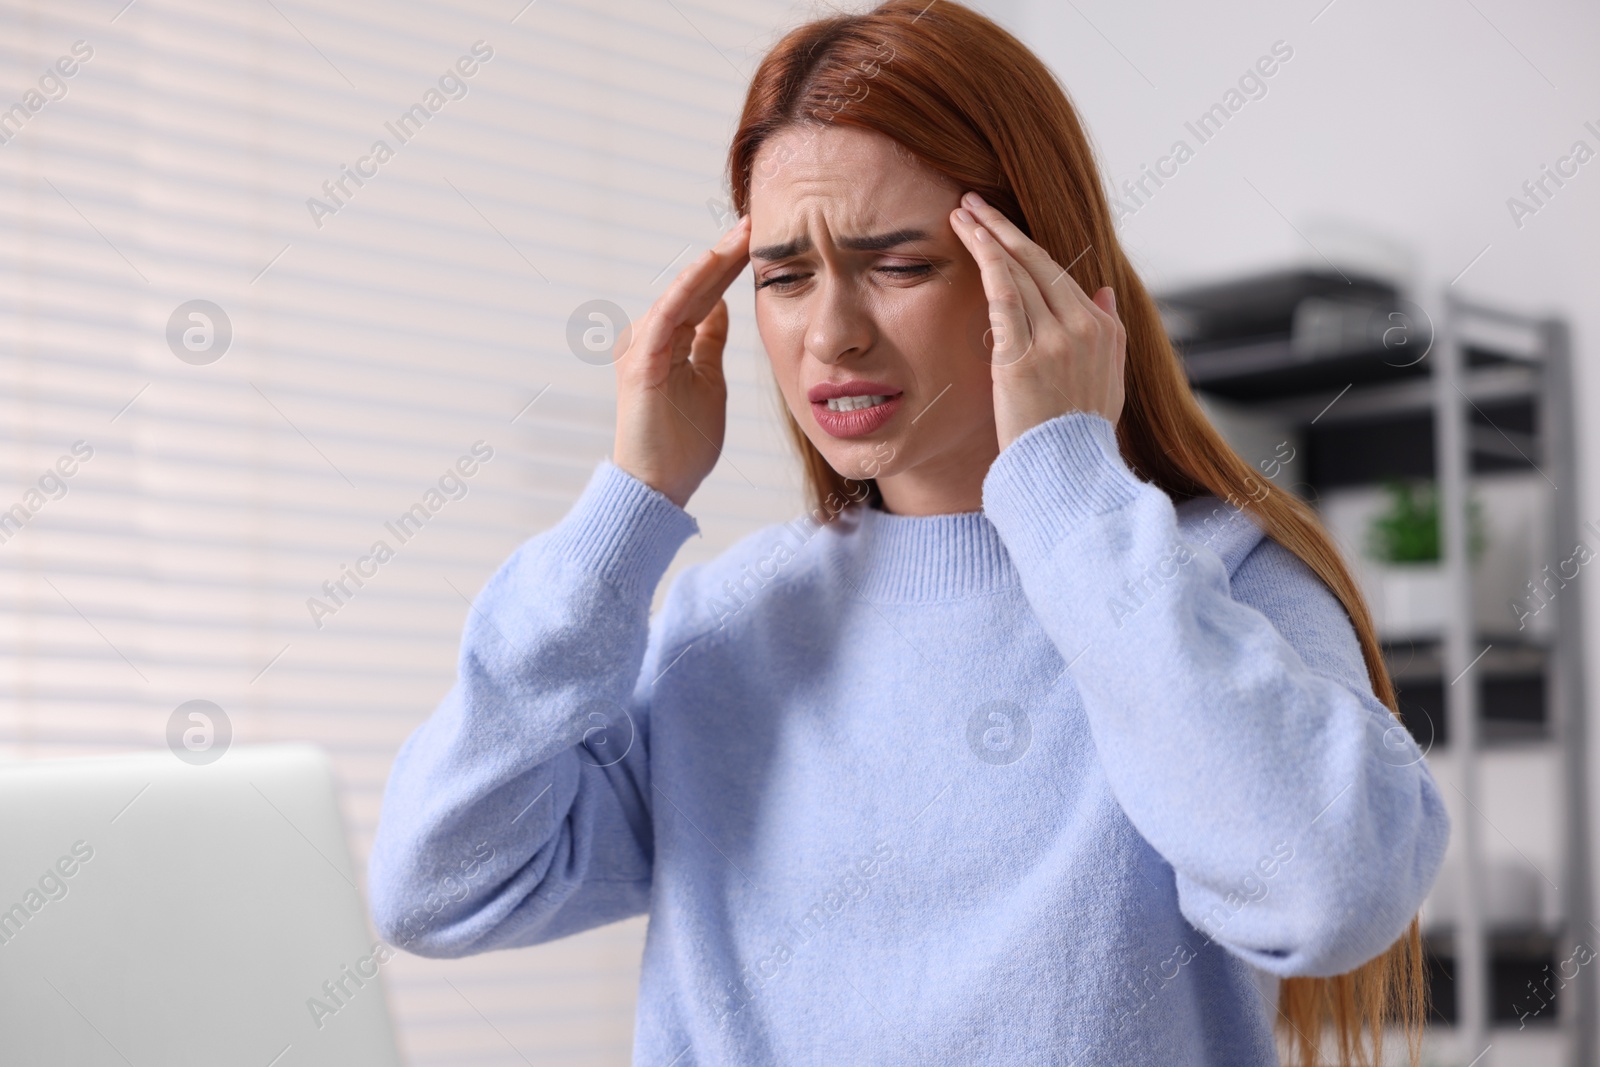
x=1068 y=780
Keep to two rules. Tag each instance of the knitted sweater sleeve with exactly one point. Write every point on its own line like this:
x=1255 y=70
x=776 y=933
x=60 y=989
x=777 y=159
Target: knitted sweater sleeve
x=520 y=811
x=1234 y=719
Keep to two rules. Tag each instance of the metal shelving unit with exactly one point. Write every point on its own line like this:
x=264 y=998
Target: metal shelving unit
x=1374 y=386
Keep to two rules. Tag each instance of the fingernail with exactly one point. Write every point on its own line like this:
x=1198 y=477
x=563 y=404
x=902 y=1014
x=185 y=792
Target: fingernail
x=974 y=199
x=1113 y=298
x=964 y=215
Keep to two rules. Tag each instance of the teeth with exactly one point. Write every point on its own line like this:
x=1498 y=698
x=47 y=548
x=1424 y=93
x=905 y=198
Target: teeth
x=854 y=403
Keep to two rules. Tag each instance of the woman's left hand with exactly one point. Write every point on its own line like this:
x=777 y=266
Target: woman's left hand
x=1055 y=349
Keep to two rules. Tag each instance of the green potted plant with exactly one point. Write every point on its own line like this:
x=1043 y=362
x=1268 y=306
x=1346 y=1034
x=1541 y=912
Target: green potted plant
x=1403 y=541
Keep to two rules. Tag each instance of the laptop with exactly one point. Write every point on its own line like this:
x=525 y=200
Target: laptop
x=157 y=913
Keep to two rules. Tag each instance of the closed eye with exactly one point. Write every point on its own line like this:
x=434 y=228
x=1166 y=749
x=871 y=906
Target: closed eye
x=784 y=281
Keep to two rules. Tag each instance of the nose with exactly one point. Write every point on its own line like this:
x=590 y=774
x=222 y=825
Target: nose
x=839 y=329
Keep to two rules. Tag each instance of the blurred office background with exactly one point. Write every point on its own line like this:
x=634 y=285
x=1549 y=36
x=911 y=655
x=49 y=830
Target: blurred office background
x=350 y=352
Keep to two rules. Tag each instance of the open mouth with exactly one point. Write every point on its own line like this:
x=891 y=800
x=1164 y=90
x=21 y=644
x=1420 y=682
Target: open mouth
x=856 y=416
x=855 y=403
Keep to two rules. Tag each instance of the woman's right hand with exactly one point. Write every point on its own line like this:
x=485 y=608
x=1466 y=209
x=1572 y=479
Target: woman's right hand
x=672 y=400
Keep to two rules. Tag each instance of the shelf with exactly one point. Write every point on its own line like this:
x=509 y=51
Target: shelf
x=1513 y=710
x=1513 y=934
x=1511 y=652
x=1500 y=381
x=1260 y=304
x=1514 y=1046
x=1268 y=369
x=1310 y=357
x=1350 y=451
x=1513 y=697
x=1517 y=964
x=1292 y=335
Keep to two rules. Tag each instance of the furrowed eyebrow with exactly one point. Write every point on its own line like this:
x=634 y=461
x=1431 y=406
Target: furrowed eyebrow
x=874 y=243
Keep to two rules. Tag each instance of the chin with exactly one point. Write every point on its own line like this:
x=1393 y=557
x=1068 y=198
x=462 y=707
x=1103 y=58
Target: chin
x=863 y=458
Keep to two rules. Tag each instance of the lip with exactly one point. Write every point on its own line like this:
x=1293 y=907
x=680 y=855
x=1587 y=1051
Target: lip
x=857 y=423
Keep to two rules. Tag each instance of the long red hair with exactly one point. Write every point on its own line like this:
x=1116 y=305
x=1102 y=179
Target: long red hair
x=967 y=99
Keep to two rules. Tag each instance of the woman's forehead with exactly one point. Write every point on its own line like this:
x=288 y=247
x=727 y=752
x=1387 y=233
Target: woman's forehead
x=846 y=181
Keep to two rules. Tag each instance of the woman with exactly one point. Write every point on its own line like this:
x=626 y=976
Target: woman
x=1057 y=737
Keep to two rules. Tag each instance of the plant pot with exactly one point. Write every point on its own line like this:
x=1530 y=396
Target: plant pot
x=1409 y=600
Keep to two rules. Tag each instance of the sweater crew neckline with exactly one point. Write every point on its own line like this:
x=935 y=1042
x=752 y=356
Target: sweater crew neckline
x=888 y=557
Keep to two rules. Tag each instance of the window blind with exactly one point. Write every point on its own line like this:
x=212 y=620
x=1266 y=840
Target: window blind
x=243 y=346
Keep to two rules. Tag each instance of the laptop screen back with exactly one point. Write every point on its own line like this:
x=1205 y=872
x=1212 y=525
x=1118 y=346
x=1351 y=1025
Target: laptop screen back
x=158 y=913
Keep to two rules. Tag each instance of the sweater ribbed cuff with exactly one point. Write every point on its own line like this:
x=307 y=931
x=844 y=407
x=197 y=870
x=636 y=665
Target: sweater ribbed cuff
x=622 y=531
x=1053 y=478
